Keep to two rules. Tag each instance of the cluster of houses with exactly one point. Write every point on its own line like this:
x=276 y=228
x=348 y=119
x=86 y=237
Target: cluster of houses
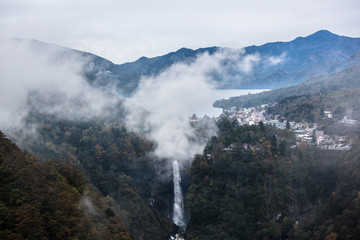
x=303 y=131
x=313 y=136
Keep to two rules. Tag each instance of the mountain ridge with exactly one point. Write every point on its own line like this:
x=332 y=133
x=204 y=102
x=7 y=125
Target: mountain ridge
x=277 y=64
x=293 y=62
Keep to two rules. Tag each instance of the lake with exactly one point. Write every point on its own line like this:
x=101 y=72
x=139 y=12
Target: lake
x=224 y=94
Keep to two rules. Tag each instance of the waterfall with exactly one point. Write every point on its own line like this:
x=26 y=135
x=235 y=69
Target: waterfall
x=178 y=212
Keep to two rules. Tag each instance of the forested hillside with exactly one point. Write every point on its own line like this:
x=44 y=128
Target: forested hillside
x=50 y=200
x=115 y=162
x=249 y=184
x=91 y=165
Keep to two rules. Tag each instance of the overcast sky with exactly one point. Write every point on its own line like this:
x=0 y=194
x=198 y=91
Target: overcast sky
x=125 y=30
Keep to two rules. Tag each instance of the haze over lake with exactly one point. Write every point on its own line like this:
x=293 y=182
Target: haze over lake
x=211 y=111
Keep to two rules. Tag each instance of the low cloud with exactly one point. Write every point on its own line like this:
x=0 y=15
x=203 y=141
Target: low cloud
x=162 y=105
x=247 y=63
x=274 y=60
x=87 y=204
x=47 y=79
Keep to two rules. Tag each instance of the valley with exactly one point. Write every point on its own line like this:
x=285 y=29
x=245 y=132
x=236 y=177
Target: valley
x=136 y=151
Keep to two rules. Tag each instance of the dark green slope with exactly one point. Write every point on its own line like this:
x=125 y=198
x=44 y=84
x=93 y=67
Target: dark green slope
x=114 y=161
x=48 y=200
x=271 y=191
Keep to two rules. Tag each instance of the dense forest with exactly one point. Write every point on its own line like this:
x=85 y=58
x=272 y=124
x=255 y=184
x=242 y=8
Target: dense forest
x=250 y=184
x=96 y=180
x=114 y=161
x=50 y=200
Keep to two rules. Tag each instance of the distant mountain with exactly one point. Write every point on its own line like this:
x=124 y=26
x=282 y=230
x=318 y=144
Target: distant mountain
x=274 y=65
x=126 y=76
x=302 y=58
x=279 y=64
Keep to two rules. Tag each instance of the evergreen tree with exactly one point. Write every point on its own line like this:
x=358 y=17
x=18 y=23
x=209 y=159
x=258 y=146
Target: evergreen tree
x=283 y=147
x=322 y=112
x=313 y=138
x=262 y=127
x=274 y=147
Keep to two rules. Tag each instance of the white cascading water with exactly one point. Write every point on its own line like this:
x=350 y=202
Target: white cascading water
x=178 y=211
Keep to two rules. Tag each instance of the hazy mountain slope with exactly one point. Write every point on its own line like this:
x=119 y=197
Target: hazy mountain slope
x=101 y=72
x=276 y=64
x=272 y=65
x=327 y=83
x=305 y=53
x=300 y=59
x=126 y=76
